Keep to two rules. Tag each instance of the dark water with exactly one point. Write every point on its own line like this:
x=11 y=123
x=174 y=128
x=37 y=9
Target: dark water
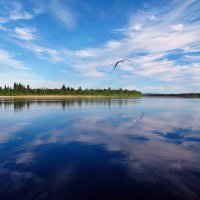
x=63 y=150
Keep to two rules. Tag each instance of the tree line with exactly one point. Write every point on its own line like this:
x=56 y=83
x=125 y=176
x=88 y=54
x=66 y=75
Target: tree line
x=20 y=89
x=186 y=95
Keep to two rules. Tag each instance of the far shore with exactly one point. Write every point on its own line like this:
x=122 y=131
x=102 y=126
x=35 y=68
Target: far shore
x=61 y=97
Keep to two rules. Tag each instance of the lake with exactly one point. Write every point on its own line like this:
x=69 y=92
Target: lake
x=100 y=149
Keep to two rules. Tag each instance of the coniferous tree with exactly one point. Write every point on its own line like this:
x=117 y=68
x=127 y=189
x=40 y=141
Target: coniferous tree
x=80 y=89
x=63 y=88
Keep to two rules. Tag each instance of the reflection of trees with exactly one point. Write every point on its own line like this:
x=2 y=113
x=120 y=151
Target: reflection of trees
x=16 y=105
x=21 y=104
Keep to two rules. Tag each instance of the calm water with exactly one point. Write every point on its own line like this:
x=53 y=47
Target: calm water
x=75 y=149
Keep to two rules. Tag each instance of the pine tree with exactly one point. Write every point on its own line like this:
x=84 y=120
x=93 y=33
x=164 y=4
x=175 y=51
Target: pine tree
x=63 y=88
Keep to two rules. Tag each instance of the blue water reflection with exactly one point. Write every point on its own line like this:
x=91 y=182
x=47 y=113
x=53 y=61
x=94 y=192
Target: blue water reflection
x=93 y=149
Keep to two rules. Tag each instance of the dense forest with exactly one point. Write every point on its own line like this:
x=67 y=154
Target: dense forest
x=20 y=89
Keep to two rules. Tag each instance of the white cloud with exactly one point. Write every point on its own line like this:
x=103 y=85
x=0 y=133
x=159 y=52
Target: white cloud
x=85 y=53
x=151 y=17
x=177 y=27
x=37 y=11
x=113 y=45
x=13 y=11
x=8 y=60
x=24 y=33
x=136 y=27
x=3 y=28
x=63 y=13
x=193 y=58
x=44 y=53
x=17 y=13
x=93 y=73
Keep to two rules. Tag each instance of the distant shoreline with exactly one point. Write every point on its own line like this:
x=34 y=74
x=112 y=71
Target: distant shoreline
x=181 y=95
x=63 y=97
x=94 y=96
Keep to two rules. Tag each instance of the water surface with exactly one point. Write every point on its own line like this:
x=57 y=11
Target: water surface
x=93 y=149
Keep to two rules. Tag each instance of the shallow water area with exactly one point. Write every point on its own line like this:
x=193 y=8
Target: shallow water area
x=97 y=149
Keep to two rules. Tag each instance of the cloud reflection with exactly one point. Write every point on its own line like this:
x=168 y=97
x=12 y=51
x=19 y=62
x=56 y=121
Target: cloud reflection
x=161 y=149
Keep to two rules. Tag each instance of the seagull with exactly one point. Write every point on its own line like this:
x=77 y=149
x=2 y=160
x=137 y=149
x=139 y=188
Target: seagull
x=120 y=61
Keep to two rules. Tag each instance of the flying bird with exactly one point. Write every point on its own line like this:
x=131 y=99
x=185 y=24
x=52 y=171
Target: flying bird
x=120 y=61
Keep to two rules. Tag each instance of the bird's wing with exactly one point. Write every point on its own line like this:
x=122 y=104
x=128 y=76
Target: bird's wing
x=120 y=61
x=116 y=64
x=129 y=60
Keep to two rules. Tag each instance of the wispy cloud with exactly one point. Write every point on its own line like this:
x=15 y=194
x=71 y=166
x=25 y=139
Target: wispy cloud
x=8 y=60
x=18 y=13
x=13 y=11
x=24 y=33
x=45 y=53
x=64 y=13
x=177 y=27
x=151 y=17
x=25 y=158
x=3 y=28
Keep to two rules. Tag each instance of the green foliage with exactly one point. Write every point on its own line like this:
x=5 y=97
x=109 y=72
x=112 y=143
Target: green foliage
x=20 y=89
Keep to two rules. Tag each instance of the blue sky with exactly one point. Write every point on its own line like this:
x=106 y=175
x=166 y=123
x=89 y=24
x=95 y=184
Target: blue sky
x=47 y=43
